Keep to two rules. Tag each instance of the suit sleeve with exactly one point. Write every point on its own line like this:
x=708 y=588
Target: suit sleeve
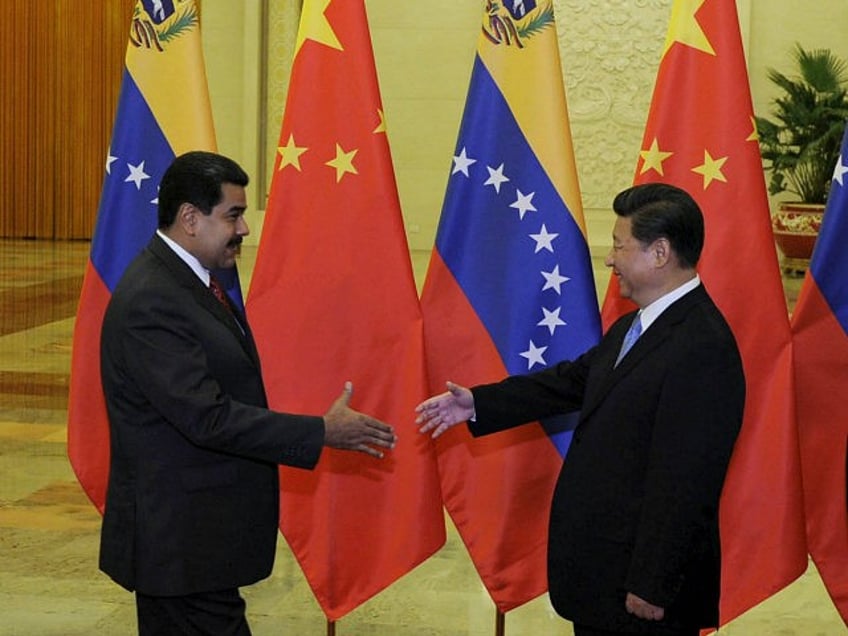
x=193 y=373
x=519 y=399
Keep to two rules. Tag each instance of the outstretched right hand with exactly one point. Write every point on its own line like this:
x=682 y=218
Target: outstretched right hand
x=447 y=409
x=347 y=429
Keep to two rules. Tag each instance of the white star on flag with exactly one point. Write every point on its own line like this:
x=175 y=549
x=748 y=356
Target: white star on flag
x=839 y=171
x=534 y=355
x=524 y=204
x=496 y=177
x=551 y=319
x=136 y=175
x=109 y=161
x=544 y=240
x=554 y=281
x=461 y=163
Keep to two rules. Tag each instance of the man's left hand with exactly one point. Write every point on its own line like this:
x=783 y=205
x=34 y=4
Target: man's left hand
x=643 y=609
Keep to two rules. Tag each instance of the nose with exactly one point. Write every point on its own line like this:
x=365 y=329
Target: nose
x=241 y=227
x=609 y=261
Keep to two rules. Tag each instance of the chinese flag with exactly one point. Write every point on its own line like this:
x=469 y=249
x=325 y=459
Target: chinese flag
x=332 y=298
x=700 y=136
x=820 y=336
x=163 y=111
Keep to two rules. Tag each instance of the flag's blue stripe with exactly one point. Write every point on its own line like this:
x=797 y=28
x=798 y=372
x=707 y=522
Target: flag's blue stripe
x=127 y=216
x=488 y=248
x=829 y=265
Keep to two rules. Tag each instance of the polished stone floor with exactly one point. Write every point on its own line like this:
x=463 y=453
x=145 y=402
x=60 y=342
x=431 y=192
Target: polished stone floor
x=49 y=581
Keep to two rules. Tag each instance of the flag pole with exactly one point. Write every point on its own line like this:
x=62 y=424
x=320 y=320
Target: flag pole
x=331 y=628
x=500 y=622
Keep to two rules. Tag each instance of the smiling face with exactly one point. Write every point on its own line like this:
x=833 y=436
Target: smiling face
x=633 y=263
x=216 y=237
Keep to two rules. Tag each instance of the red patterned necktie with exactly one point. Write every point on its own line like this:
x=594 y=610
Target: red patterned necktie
x=221 y=295
x=216 y=288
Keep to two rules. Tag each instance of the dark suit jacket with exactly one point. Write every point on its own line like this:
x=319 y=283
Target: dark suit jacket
x=635 y=508
x=193 y=497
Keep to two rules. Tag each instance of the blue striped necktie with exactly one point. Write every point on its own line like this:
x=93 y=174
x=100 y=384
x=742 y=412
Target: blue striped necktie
x=630 y=337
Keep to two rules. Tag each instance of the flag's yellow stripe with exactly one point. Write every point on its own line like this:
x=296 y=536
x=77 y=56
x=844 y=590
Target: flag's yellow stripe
x=173 y=83
x=530 y=79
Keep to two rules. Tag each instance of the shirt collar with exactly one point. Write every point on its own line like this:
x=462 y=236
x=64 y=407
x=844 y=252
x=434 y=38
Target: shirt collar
x=188 y=258
x=648 y=314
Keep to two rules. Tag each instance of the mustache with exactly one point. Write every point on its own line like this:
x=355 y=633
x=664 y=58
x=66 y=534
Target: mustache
x=235 y=242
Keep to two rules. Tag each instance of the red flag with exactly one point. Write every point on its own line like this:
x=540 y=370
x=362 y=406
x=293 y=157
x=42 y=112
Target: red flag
x=700 y=136
x=332 y=298
x=163 y=111
x=820 y=336
x=509 y=290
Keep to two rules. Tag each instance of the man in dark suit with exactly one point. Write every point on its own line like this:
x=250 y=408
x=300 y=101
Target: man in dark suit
x=193 y=498
x=634 y=535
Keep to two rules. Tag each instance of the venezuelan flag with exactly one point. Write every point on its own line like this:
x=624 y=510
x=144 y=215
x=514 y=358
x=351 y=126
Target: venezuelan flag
x=163 y=111
x=820 y=343
x=509 y=290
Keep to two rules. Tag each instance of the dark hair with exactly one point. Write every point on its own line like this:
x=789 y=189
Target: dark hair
x=659 y=210
x=196 y=177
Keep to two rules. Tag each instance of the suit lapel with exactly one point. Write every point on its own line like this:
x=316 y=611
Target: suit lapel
x=186 y=278
x=606 y=375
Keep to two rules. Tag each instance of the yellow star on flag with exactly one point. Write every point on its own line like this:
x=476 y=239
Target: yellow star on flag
x=684 y=28
x=754 y=136
x=315 y=26
x=711 y=169
x=290 y=154
x=381 y=127
x=343 y=162
x=653 y=158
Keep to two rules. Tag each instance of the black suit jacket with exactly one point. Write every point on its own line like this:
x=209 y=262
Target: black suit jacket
x=193 y=499
x=635 y=508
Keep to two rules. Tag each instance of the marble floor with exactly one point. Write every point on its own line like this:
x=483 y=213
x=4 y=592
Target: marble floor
x=49 y=581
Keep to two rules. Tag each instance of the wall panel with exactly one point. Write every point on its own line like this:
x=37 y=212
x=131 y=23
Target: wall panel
x=60 y=69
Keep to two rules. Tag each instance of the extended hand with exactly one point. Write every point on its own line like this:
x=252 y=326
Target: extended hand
x=347 y=429
x=447 y=409
x=642 y=608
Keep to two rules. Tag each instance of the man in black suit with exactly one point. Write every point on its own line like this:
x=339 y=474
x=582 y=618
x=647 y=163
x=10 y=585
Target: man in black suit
x=193 y=497
x=634 y=536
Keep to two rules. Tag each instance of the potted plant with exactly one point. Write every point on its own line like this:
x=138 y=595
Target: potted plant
x=800 y=143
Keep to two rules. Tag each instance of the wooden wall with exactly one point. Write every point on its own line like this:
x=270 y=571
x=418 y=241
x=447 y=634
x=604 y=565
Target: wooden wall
x=60 y=70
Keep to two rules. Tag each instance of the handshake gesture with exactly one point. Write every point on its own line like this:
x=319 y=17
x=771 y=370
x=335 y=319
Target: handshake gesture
x=347 y=429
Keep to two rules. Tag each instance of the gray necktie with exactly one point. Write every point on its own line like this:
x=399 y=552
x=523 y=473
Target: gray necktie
x=630 y=337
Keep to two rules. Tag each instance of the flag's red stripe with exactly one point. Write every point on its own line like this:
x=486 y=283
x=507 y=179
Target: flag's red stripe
x=821 y=351
x=513 y=471
x=88 y=426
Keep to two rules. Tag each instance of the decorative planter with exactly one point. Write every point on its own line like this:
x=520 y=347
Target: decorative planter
x=796 y=227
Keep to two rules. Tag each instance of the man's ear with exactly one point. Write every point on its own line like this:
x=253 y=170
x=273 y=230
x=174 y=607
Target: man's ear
x=661 y=250
x=187 y=218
